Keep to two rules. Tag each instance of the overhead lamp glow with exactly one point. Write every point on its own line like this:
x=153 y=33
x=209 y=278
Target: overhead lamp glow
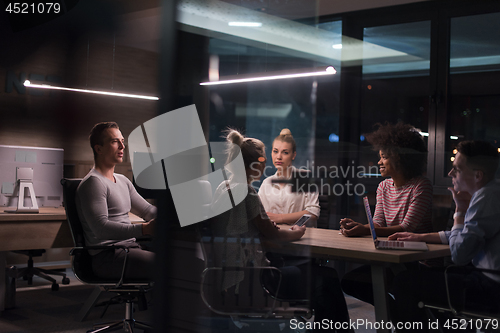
x=424 y=133
x=453 y=137
x=245 y=24
x=337 y=46
x=27 y=83
x=328 y=71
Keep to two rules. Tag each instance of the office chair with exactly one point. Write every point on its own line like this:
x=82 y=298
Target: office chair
x=466 y=310
x=324 y=218
x=28 y=272
x=128 y=291
x=253 y=297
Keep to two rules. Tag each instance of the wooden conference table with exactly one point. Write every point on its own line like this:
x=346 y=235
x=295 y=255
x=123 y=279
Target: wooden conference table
x=45 y=230
x=327 y=243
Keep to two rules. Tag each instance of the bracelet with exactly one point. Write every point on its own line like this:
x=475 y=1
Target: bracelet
x=458 y=214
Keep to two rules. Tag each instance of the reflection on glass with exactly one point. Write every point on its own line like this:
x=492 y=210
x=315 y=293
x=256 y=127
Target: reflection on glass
x=474 y=100
x=308 y=106
x=395 y=83
x=407 y=49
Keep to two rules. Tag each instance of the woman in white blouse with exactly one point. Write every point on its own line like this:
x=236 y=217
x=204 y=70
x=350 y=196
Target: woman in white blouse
x=281 y=204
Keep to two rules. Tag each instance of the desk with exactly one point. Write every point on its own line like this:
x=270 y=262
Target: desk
x=326 y=243
x=45 y=230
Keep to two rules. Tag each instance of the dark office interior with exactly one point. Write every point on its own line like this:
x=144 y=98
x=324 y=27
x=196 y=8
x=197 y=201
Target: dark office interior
x=432 y=64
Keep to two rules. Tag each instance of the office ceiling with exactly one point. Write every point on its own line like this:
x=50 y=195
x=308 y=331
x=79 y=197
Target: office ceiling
x=141 y=19
x=297 y=9
x=283 y=32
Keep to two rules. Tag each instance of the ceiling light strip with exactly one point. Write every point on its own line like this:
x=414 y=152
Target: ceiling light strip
x=98 y=92
x=244 y=24
x=329 y=71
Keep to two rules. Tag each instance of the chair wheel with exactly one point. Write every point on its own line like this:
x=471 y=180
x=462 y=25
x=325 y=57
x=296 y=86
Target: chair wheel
x=55 y=287
x=65 y=280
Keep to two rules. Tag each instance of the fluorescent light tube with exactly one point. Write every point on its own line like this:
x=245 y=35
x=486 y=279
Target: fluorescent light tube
x=245 y=24
x=28 y=84
x=329 y=71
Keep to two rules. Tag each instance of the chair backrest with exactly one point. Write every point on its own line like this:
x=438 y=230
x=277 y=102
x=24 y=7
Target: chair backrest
x=82 y=261
x=240 y=290
x=324 y=217
x=69 y=198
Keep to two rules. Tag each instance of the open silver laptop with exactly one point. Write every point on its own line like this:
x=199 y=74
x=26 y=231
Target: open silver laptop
x=390 y=245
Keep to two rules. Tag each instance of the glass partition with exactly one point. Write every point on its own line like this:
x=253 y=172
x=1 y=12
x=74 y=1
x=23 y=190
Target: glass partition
x=395 y=79
x=242 y=42
x=474 y=102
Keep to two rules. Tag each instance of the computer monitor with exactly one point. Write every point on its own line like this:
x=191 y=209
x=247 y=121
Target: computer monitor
x=47 y=165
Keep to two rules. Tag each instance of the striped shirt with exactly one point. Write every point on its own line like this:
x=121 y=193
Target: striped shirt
x=409 y=206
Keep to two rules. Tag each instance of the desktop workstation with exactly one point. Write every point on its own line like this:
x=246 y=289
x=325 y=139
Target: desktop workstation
x=32 y=215
x=31 y=206
x=45 y=230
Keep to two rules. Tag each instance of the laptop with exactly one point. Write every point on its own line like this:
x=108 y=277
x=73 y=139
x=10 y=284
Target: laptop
x=390 y=245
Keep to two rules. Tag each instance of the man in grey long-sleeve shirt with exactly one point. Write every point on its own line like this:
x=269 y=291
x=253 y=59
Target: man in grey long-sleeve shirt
x=104 y=200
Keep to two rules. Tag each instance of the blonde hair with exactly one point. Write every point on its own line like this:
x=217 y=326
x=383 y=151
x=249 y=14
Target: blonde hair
x=251 y=149
x=286 y=136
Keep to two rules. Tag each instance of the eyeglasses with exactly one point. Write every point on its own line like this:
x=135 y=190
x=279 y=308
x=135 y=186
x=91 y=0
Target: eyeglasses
x=454 y=170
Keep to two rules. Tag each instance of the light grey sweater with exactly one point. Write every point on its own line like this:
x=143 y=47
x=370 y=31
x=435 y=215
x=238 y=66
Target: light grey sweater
x=103 y=208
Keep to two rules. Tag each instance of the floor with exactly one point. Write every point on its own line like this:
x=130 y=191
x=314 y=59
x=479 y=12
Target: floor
x=39 y=309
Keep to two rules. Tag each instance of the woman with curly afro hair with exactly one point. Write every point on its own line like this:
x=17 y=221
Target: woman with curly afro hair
x=404 y=200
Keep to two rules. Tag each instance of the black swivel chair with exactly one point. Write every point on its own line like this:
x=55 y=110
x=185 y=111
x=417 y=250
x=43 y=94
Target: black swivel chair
x=256 y=296
x=28 y=272
x=466 y=311
x=129 y=291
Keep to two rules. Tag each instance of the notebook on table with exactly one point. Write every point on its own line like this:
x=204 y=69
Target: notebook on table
x=390 y=245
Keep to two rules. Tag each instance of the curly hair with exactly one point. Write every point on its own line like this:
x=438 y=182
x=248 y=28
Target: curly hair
x=403 y=144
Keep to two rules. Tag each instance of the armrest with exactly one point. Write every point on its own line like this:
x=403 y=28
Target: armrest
x=235 y=269
x=96 y=247
x=274 y=294
x=75 y=250
x=463 y=270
